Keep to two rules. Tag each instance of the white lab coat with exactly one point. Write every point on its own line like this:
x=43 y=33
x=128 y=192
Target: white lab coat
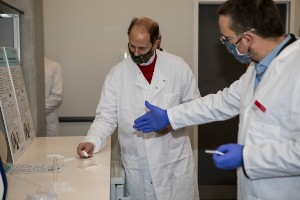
x=53 y=95
x=155 y=165
x=272 y=138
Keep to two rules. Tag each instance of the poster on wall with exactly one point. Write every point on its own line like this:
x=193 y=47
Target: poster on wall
x=14 y=104
x=21 y=94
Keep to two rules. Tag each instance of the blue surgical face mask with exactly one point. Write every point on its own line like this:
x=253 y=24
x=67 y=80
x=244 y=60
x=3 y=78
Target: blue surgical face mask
x=242 y=58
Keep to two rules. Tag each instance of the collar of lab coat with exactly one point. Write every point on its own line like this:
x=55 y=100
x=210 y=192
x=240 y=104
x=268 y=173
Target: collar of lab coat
x=275 y=70
x=159 y=78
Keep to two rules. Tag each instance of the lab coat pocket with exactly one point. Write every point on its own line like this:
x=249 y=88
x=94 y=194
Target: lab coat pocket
x=260 y=133
x=171 y=100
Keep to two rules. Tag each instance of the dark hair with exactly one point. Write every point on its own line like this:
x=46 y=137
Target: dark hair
x=150 y=25
x=159 y=44
x=262 y=15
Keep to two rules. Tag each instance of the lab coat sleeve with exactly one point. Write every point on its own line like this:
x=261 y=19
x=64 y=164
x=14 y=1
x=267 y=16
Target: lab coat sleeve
x=54 y=99
x=189 y=88
x=106 y=115
x=214 y=107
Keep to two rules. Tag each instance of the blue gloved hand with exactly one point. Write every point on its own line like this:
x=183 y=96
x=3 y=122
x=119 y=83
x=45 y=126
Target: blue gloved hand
x=154 y=120
x=232 y=158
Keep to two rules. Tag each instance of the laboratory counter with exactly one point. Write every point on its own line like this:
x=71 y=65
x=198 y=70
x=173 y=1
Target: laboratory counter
x=51 y=166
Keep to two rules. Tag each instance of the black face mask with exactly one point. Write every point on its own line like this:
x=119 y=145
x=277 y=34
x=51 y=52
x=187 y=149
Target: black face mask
x=144 y=58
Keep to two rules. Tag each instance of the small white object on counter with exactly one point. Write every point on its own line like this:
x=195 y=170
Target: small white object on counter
x=85 y=153
x=214 y=152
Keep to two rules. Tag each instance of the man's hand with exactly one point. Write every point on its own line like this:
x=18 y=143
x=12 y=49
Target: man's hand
x=232 y=158
x=154 y=120
x=88 y=147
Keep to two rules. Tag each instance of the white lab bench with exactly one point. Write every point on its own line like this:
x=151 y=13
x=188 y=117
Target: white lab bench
x=74 y=182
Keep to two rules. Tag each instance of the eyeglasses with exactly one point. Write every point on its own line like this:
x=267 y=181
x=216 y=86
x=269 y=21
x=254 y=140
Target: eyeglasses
x=225 y=40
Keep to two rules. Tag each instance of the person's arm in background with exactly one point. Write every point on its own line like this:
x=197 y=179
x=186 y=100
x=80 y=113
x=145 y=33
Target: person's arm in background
x=54 y=99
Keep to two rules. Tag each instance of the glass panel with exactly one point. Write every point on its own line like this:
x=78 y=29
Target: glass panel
x=10 y=27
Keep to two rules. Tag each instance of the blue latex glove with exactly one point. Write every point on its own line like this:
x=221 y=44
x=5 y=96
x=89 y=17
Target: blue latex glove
x=232 y=158
x=154 y=120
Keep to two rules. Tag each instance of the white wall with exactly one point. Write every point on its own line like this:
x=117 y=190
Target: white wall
x=297 y=17
x=89 y=37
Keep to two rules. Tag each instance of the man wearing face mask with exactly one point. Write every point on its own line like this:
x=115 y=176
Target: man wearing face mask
x=158 y=166
x=266 y=98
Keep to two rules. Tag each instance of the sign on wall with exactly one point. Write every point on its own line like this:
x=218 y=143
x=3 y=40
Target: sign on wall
x=14 y=104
